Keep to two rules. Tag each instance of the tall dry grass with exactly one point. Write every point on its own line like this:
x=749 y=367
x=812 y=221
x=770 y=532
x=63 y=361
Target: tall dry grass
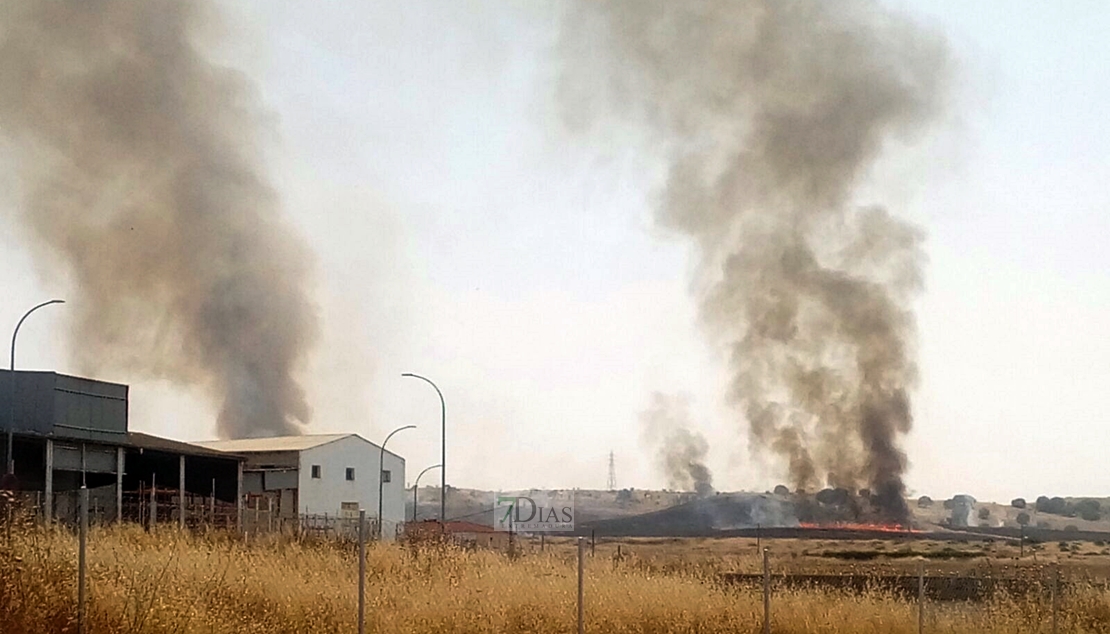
x=172 y=582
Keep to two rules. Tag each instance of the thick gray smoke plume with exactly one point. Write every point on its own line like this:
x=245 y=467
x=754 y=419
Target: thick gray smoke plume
x=770 y=112
x=141 y=173
x=680 y=451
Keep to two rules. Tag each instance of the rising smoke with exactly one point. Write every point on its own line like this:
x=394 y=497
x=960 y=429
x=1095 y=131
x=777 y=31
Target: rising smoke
x=141 y=173
x=769 y=113
x=679 y=450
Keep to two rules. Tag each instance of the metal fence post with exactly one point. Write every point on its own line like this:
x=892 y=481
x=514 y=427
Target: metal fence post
x=766 y=593
x=181 y=493
x=239 y=523
x=82 y=540
x=120 y=462
x=362 y=571
x=921 y=597
x=581 y=584
x=1056 y=598
x=153 y=501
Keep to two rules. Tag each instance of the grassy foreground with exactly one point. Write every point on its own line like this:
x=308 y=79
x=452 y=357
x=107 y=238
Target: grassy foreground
x=177 y=582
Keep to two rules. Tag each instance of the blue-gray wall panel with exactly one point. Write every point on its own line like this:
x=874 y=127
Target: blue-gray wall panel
x=89 y=409
x=96 y=459
x=34 y=401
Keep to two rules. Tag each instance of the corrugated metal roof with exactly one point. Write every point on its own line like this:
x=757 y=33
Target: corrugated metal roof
x=68 y=376
x=276 y=443
x=157 y=443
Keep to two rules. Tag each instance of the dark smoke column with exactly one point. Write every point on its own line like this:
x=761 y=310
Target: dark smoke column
x=142 y=183
x=768 y=114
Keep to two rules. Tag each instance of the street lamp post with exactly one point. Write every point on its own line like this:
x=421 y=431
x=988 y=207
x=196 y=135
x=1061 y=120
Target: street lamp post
x=381 y=471
x=416 y=487
x=442 y=449
x=11 y=404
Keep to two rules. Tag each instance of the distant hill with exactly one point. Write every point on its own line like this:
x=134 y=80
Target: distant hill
x=476 y=505
x=644 y=512
x=695 y=517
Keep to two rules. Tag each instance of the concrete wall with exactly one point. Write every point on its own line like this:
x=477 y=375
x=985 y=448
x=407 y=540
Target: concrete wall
x=328 y=493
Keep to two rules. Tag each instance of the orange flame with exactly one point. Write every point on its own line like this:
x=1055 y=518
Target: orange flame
x=850 y=526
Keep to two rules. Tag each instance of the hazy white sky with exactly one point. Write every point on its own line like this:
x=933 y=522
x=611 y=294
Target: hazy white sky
x=461 y=235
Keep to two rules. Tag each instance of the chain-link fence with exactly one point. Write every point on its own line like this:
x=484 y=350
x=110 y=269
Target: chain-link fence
x=1043 y=596
x=941 y=584
x=166 y=507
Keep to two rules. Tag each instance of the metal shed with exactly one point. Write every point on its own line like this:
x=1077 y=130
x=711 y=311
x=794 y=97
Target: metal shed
x=67 y=432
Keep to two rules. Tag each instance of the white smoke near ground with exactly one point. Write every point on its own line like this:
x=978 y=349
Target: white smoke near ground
x=769 y=114
x=679 y=450
x=770 y=511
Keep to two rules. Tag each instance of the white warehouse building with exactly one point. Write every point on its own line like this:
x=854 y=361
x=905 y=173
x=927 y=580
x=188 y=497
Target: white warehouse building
x=321 y=475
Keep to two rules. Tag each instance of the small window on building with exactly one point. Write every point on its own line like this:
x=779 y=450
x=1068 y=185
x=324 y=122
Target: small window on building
x=351 y=474
x=348 y=506
x=386 y=476
x=316 y=471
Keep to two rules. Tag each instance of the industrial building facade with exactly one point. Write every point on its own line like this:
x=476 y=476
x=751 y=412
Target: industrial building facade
x=68 y=432
x=321 y=476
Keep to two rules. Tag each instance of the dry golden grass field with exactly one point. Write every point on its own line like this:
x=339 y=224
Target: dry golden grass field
x=184 y=583
x=976 y=556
